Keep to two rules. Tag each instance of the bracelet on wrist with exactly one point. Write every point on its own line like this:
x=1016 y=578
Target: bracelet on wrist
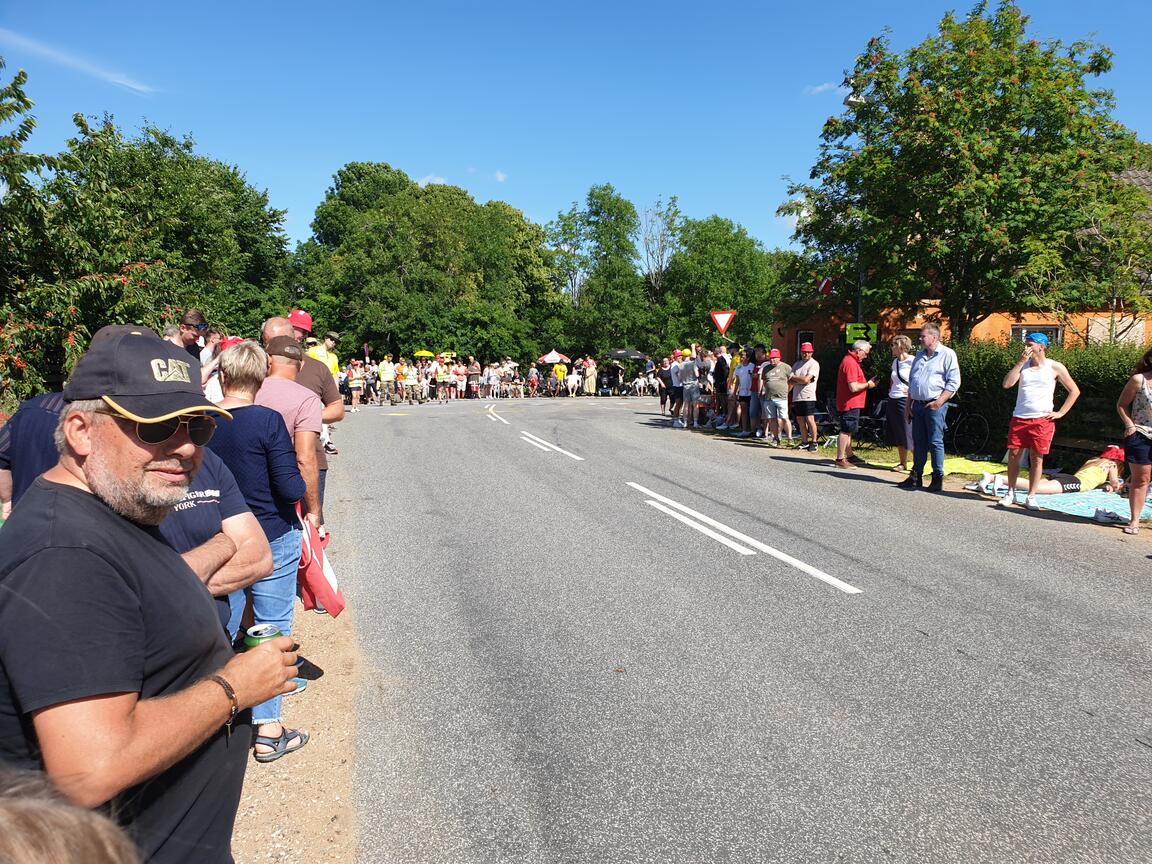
x=231 y=694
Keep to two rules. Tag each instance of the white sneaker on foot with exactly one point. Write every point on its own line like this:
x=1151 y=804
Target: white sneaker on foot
x=1008 y=500
x=1030 y=503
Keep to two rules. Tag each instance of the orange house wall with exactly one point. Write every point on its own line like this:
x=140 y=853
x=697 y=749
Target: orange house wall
x=829 y=328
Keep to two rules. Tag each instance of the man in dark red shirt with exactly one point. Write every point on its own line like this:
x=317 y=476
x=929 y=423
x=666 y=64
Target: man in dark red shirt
x=852 y=388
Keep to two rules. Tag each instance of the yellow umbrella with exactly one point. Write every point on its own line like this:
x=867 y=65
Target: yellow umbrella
x=423 y=354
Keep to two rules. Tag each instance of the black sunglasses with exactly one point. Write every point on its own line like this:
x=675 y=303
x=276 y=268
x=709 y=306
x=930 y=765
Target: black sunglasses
x=201 y=428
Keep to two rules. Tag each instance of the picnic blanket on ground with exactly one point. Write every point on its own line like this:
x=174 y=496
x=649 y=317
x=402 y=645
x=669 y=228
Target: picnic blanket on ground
x=1085 y=504
x=959 y=465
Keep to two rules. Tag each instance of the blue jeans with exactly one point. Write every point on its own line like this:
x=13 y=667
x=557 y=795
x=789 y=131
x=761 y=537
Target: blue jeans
x=272 y=599
x=927 y=432
x=755 y=407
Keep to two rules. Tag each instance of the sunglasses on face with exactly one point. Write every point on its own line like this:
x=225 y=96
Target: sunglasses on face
x=201 y=428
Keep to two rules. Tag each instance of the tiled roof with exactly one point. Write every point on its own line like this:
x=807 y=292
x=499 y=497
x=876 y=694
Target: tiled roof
x=1138 y=177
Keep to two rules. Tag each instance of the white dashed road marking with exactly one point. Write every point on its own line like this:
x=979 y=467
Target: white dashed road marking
x=551 y=446
x=744 y=538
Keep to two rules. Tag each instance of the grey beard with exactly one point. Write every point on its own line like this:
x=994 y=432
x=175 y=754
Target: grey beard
x=135 y=503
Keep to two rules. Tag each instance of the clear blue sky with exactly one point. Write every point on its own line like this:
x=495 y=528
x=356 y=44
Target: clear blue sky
x=530 y=103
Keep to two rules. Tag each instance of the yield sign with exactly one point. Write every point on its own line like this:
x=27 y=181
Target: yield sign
x=723 y=319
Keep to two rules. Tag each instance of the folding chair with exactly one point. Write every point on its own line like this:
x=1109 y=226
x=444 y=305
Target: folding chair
x=827 y=423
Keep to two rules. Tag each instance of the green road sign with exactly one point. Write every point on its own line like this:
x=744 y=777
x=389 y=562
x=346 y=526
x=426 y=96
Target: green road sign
x=852 y=332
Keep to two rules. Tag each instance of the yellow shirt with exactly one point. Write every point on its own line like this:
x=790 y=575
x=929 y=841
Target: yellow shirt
x=1092 y=476
x=319 y=352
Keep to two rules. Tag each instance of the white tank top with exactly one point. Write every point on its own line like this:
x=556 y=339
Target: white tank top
x=1037 y=390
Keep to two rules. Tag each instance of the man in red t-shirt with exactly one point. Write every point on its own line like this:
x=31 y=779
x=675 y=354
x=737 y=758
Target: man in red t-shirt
x=851 y=393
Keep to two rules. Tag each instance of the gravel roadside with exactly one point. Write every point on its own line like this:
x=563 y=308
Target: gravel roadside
x=301 y=809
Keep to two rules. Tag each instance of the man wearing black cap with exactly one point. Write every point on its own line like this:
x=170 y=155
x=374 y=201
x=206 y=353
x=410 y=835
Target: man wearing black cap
x=115 y=676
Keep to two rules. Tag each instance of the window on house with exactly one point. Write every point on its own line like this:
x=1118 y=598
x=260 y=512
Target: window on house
x=1055 y=334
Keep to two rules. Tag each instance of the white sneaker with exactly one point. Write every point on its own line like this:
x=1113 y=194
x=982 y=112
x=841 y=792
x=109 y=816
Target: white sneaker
x=759 y=433
x=1008 y=500
x=1108 y=517
x=1030 y=503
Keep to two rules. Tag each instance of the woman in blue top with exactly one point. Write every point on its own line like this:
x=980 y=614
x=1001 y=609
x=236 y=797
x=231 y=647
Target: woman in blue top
x=258 y=450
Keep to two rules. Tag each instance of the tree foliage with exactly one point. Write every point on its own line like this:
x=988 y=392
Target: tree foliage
x=719 y=266
x=118 y=230
x=404 y=267
x=964 y=168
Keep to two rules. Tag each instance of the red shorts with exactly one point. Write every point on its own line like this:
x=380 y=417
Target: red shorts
x=1033 y=433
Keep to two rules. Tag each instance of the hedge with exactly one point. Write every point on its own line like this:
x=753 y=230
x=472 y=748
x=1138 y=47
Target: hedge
x=1100 y=371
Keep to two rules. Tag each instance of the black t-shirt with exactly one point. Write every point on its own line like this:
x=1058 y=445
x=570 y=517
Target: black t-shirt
x=91 y=604
x=720 y=372
x=212 y=498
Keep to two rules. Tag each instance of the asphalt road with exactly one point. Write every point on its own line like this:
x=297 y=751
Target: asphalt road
x=558 y=671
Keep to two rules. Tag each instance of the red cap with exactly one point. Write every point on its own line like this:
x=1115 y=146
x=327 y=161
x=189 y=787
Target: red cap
x=677 y=353
x=775 y=352
x=1116 y=454
x=231 y=341
x=301 y=320
x=807 y=346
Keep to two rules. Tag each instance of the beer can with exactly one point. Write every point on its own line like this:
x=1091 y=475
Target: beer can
x=260 y=633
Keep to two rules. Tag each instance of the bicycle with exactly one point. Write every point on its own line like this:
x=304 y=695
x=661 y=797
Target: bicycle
x=965 y=432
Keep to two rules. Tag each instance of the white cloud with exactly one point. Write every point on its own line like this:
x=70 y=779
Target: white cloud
x=817 y=89
x=31 y=46
x=431 y=180
x=500 y=176
x=789 y=220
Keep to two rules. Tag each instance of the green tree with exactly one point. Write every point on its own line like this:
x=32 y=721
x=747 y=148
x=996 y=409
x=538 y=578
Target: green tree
x=115 y=230
x=612 y=311
x=662 y=228
x=961 y=167
x=719 y=266
x=403 y=267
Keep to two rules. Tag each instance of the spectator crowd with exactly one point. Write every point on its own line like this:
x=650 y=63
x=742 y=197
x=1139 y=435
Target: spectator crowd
x=755 y=394
x=156 y=510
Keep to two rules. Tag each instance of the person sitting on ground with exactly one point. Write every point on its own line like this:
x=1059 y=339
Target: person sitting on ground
x=1101 y=471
